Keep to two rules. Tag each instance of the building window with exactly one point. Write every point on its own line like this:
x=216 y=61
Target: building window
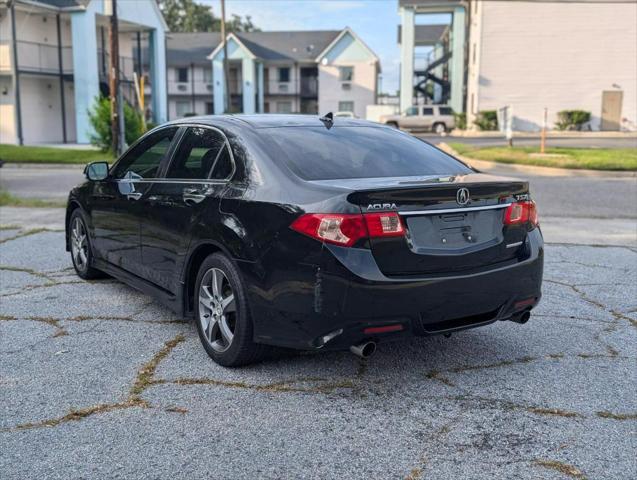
x=346 y=74
x=210 y=108
x=346 y=106
x=283 y=107
x=207 y=75
x=182 y=75
x=284 y=74
x=183 y=108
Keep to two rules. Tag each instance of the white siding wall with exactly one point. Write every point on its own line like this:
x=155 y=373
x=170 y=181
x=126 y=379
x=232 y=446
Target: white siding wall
x=7 y=111
x=362 y=88
x=555 y=55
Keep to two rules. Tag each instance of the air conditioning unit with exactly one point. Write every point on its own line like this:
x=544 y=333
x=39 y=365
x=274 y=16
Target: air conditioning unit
x=209 y=87
x=182 y=87
x=283 y=87
x=346 y=86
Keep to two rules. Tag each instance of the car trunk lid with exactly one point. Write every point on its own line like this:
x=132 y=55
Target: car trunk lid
x=453 y=224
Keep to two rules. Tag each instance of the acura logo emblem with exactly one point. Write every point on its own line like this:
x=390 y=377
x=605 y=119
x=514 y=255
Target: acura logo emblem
x=462 y=196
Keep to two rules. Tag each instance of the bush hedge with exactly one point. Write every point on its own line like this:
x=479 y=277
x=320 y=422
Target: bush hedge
x=487 y=120
x=572 y=119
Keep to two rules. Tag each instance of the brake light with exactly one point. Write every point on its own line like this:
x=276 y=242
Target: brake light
x=348 y=229
x=386 y=224
x=521 y=212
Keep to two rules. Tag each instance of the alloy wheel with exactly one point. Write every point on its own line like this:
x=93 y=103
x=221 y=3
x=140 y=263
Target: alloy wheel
x=217 y=310
x=79 y=245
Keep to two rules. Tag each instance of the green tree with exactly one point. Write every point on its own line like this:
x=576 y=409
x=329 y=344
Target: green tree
x=190 y=16
x=100 y=118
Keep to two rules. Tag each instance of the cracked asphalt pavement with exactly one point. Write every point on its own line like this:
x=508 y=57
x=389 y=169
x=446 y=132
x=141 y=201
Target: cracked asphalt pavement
x=99 y=381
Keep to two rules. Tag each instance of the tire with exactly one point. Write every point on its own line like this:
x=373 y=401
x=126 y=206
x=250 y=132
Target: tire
x=81 y=250
x=439 y=128
x=224 y=325
x=392 y=125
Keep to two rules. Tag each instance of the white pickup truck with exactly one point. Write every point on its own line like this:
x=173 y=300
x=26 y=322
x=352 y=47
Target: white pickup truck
x=435 y=118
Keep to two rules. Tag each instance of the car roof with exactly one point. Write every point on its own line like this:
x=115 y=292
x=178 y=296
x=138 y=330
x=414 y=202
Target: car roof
x=271 y=121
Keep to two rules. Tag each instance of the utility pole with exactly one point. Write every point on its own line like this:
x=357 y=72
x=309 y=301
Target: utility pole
x=226 y=76
x=114 y=79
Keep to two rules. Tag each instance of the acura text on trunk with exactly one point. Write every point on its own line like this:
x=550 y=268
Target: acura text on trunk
x=307 y=233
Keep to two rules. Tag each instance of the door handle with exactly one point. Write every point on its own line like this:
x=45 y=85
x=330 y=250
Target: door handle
x=192 y=196
x=134 y=195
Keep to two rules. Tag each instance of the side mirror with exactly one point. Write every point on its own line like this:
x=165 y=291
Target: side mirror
x=96 y=171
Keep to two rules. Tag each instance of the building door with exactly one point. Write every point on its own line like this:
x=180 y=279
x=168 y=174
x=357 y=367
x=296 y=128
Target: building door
x=611 y=109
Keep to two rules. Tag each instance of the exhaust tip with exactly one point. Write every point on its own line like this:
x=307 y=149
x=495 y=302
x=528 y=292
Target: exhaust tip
x=363 y=350
x=521 y=318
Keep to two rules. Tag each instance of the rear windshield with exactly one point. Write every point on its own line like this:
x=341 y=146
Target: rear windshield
x=358 y=152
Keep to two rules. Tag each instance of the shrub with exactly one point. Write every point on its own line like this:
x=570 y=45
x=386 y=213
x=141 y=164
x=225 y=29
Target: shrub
x=487 y=120
x=460 y=120
x=100 y=118
x=572 y=119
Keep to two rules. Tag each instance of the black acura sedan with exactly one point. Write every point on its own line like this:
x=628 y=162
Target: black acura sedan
x=307 y=233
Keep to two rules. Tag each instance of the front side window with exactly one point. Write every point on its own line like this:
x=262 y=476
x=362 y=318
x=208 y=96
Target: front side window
x=411 y=111
x=182 y=75
x=143 y=160
x=346 y=106
x=202 y=154
x=284 y=74
x=346 y=74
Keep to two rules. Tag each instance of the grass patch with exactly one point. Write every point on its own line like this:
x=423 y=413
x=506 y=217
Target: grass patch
x=624 y=159
x=22 y=154
x=8 y=200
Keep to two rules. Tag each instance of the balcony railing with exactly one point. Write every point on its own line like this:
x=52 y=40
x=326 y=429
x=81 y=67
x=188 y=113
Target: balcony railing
x=307 y=87
x=274 y=87
x=186 y=88
x=127 y=65
x=36 y=57
x=5 y=56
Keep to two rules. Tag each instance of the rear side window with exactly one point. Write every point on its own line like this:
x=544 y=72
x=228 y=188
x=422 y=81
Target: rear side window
x=446 y=111
x=202 y=154
x=427 y=111
x=357 y=152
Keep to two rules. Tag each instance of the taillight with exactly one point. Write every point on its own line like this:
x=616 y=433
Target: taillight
x=347 y=229
x=386 y=224
x=521 y=212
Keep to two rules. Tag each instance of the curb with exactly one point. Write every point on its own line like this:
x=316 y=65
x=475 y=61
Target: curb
x=57 y=166
x=536 y=170
x=549 y=134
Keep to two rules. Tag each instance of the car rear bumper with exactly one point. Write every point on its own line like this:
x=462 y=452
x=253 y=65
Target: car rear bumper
x=347 y=294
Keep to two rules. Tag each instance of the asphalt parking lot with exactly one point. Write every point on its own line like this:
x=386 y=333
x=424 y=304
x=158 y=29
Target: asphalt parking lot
x=99 y=381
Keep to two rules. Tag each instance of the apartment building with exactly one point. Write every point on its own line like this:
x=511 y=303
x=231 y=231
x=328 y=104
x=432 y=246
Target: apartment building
x=54 y=63
x=527 y=55
x=276 y=72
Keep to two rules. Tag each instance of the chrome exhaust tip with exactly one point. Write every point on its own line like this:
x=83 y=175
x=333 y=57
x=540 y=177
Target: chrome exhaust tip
x=521 y=318
x=363 y=350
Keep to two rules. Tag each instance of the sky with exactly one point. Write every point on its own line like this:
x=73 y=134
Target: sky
x=374 y=21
